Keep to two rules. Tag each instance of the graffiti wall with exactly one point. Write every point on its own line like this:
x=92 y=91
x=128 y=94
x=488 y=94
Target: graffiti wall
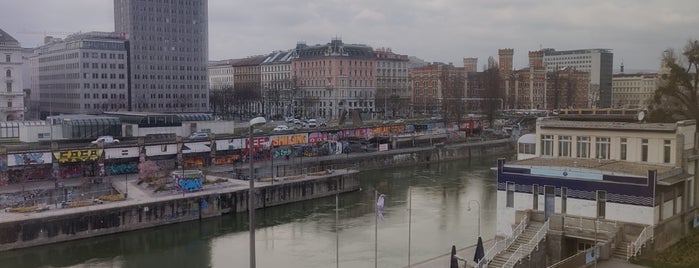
x=73 y=156
x=191 y=180
x=28 y=159
x=293 y=139
x=117 y=169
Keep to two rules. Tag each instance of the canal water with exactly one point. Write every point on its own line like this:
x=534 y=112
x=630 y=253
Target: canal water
x=304 y=234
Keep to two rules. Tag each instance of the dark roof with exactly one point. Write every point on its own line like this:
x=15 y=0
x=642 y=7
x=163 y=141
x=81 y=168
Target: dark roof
x=249 y=61
x=334 y=49
x=7 y=39
x=279 y=57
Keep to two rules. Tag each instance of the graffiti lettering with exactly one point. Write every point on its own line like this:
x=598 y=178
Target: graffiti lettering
x=189 y=184
x=29 y=158
x=285 y=140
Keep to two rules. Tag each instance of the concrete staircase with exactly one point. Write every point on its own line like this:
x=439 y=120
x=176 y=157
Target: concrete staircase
x=522 y=239
x=619 y=251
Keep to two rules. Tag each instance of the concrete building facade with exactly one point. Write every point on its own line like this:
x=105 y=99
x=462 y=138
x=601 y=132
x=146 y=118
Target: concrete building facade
x=11 y=81
x=277 y=85
x=168 y=53
x=633 y=90
x=220 y=74
x=393 y=92
x=334 y=79
x=86 y=73
x=598 y=62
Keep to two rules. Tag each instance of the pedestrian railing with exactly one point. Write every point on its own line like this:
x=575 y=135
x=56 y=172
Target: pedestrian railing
x=526 y=249
x=502 y=245
x=634 y=248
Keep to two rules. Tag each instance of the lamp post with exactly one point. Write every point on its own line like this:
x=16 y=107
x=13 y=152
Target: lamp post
x=479 y=214
x=251 y=201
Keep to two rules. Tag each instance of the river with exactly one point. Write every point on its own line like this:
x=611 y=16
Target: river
x=303 y=234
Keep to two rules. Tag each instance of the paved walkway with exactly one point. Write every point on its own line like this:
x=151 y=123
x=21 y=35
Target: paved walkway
x=617 y=263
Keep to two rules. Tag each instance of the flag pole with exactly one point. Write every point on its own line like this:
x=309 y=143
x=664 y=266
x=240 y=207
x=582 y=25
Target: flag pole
x=337 y=232
x=376 y=229
x=410 y=214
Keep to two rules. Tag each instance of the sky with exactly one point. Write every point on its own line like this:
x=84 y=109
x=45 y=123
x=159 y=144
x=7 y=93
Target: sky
x=637 y=31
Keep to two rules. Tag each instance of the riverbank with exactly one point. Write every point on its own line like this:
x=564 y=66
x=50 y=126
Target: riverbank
x=143 y=210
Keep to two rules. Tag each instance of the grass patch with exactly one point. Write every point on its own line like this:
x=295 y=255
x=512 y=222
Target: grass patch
x=23 y=209
x=683 y=254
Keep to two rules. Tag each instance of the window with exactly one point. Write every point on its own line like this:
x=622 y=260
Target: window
x=601 y=204
x=524 y=148
x=583 y=146
x=644 y=150
x=667 y=148
x=547 y=145
x=8 y=57
x=510 y=187
x=602 y=146
x=8 y=73
x=564 y=199
x=535 y=197
x=622 y=149
x=9 y=87
x=564 y=146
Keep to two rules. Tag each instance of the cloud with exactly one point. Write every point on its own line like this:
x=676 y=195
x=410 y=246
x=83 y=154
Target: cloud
x=436 y=30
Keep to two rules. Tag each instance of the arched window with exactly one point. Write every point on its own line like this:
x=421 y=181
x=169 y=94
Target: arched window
x=8 y=73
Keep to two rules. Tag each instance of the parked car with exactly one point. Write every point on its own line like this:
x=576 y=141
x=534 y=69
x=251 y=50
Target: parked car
x=280 y=128
x=105 y=140
x=312 y=123
x=199 y=135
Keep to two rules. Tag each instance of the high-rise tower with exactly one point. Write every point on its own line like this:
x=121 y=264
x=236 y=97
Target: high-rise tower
x=168 y=54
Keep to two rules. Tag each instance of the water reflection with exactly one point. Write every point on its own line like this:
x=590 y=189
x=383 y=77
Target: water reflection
x=303 y=234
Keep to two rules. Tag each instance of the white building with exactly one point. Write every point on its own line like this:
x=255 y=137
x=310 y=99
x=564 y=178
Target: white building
x=84 y=74
x=220 y=74
x=637 y=173
x=393 y=92
x=11 y=83
x=633 y=90
x=598 y=62
x=277 y=85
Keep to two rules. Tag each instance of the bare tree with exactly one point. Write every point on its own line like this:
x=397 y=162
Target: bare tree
x=677 y=95
x=491 y=85
x=453 y=86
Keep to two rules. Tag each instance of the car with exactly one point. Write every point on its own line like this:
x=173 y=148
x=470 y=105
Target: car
x=312 y=123
x=280 y=128
x=399 y=121
x=199 y=135
x=105 y=140
x=322 y=124
x=258 y=131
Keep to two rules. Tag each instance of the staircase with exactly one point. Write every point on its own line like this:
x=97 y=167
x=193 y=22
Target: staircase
x=620 y=251
x=526 y=236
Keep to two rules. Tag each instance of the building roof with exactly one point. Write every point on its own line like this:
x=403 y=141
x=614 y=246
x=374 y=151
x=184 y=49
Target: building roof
x=552 y=123
x=249 y=61
x=336 y=48
x=553 y=52
x=604 y=165
x=279 y=57
x=7 y=40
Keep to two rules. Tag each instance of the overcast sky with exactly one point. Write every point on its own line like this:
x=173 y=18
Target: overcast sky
x=434 y=30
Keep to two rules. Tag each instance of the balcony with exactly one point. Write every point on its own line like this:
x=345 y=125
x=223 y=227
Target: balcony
x=11 y=94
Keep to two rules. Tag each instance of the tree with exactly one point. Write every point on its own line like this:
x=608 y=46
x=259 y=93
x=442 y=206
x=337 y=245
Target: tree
x=491 y=85
x=453 y=86
x=148 y=170
x=677 y=95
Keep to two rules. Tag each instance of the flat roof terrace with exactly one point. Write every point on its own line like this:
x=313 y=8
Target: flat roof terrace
x=604 y=166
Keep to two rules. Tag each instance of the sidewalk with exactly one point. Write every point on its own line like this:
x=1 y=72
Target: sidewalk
x=466 y=253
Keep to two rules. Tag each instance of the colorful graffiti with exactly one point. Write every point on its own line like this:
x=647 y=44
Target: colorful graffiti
x=118 y=169
x=228 y=159
x=78 y=155
x=29 y=158
x=191 y=181
x=285 y=140
x=282 y=152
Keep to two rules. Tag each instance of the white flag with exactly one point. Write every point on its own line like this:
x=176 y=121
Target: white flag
x=379 y=206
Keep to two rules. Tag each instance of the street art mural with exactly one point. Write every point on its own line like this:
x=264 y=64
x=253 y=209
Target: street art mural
x=294 y=139
x=118 y=169
x=30 y=159
x=73 y=156
x=189 y=180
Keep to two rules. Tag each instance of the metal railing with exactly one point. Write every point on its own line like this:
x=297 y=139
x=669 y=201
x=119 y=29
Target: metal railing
x=502 y=245
x=527 y=248
x=634 y=248
x=590 y=224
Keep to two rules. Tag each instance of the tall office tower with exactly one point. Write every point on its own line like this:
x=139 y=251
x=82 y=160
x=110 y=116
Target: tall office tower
x=168 y=53
x=598 y=62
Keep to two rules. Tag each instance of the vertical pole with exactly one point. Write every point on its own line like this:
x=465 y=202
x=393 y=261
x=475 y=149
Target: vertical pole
x=337 y=231
x=410 y=215
x=251 y=203
x=274 y=174
x=376 y=230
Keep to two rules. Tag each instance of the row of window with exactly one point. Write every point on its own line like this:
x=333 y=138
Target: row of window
x=169 y=86
x=104 y=96
x=97 y=55
x=583 y=145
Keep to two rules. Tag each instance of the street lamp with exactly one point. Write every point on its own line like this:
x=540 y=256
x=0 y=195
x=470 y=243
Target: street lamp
x=479 y=214
x=251 y=201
